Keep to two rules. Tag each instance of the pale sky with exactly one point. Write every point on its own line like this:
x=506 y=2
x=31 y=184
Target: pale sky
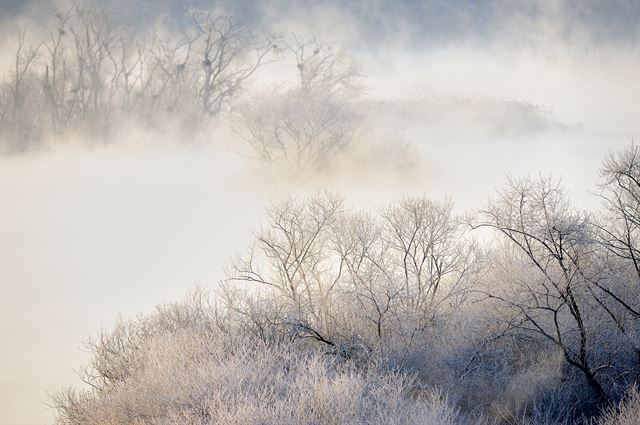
x=480 y=89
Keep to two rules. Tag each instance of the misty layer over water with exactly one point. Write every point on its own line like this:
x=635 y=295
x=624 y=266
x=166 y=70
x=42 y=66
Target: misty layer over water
x=92 y=229
x=87 y=235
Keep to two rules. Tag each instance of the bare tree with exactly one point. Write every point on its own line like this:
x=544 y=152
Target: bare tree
x=297 y=269
x=554 y=300
x=340 y=275
x=308 y=125
x=25 y=57
x=301 y=131
x=358 y=240
x=92 y=33
x=620 y=231
x=225 y=65
x=57 y=72
x=321 y=68
x=426 y=244
x=19 y=122
x=407 y=265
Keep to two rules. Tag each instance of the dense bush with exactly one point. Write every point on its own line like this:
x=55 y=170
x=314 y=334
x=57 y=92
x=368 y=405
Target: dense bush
x=185 y=364
x=626 y=413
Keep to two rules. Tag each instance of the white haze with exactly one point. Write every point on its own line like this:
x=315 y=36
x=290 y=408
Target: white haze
x=87 y=234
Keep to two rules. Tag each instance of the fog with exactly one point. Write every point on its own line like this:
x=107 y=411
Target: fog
x=90 y=231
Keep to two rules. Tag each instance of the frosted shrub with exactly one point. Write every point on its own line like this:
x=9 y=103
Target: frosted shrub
x=627 y=413
x=198 y=374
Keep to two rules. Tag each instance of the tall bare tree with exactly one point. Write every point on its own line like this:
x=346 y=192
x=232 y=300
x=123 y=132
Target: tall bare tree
x=554 y=300
x=620 y=231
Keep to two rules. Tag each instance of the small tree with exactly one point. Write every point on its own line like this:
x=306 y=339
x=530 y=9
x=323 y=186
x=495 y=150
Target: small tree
x=289 y=259
x=310 y=124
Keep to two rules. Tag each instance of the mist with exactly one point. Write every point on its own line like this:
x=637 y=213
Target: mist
x=444 y=100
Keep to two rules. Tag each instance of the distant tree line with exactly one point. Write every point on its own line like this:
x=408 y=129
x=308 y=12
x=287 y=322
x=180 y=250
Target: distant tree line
x=91 y=71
